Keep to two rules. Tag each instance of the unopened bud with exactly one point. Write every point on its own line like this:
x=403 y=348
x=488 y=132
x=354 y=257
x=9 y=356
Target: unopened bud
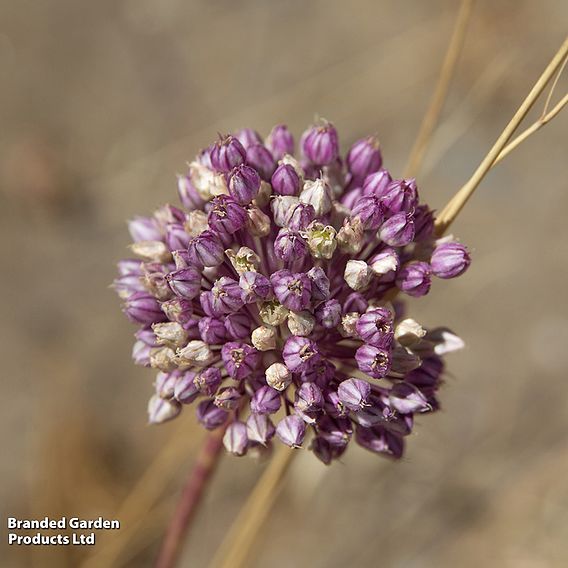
x=357 y=274
x=258 y=223
x=409 y=332
x=347 y=327
x=154 y=251
x=317 y=193
x=350 y=236
x=195 y=353
x=161 y=410
x=301 y=323
x=163 y=358
x=278 y=376
x=264 y=338
x=196 y=222
x=170 y=334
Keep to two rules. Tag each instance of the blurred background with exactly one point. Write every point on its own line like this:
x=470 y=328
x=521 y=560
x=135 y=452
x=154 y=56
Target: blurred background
x=102 y=103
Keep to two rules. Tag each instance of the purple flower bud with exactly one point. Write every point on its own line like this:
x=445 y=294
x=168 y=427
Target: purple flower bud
x=280 y=141
x=255 y=287
x=260 y=158
x=165 y=384
x=244 y=184
x=320 y=373
x=207 y=301
x=168 y=214
x=370 y=211
x=144 y=229
x=398 y=230
x=293 y=291
x=212 y=330
x=450 y=260
x=141 y=353
x=235 y=438
x=320 y=144
x=301 y=216
x=240 y=359
x=289 y=246
x=176 y=236
x=300 y=353
x=127 y=284
x=354 y=393
x=285 y=180
x=228 y=398
x=260 y=428
x=309 y=398
x=374 y=361
x=188 y=195
x=364 y=158
x=407 y=399
x=208 y=380
x=335 y=431
x=209 y=415
x=355 y=302
x=142 y=308
x=226 y=215
x=291 y=431
x=401 y=196
x=320 y=284
x=247 y=137
x=227 y=153
x=376 y=327
x=427 y=376
x=324 y=451
x=130 y=267
x=380 y=441
x=423 y=223
x=206 y=249
x=376 y=184
x=265 y=400
x=237 y=325
x=227 y=295
x=161 y=410
x=186 y=390
x=328 y=314
x=185 y=283
x=414 y=279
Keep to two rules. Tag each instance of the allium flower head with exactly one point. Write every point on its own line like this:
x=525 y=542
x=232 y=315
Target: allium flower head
x=264 y=301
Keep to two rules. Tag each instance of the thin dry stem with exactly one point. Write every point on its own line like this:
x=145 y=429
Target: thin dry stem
x=456 y=204
x=440 y=93
x=235 y=548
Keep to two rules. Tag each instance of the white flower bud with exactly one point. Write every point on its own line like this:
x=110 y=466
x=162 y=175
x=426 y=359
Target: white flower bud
x=317 y=194
x=161 y=410
x=195 y=353
x=282 y=207
x=357 y=274
x=264 y=338
x=348 y=322
x=154 y=251
x=163 y=358
x=244 y=260
x=321 y=240
x=301 y=323
x=258 y=223
x=409 y=332
x=445 y=341
x=350 y=236
x=385 y=262
x=196 y=222
x=207 y=182
x=273 y=312
x=170 y=334
x=278 y=376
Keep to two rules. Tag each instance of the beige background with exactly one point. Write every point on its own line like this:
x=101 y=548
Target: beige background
x=102 y=103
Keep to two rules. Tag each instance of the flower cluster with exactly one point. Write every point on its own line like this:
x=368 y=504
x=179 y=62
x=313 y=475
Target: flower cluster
x=269 y=298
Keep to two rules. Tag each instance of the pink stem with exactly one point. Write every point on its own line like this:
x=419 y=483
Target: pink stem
x=190 y=498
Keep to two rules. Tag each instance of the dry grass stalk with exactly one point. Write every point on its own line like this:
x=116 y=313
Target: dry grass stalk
x=456 y=204
x=432 y=115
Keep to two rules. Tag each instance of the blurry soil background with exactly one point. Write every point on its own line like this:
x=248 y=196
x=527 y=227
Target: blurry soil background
x=102 y=103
